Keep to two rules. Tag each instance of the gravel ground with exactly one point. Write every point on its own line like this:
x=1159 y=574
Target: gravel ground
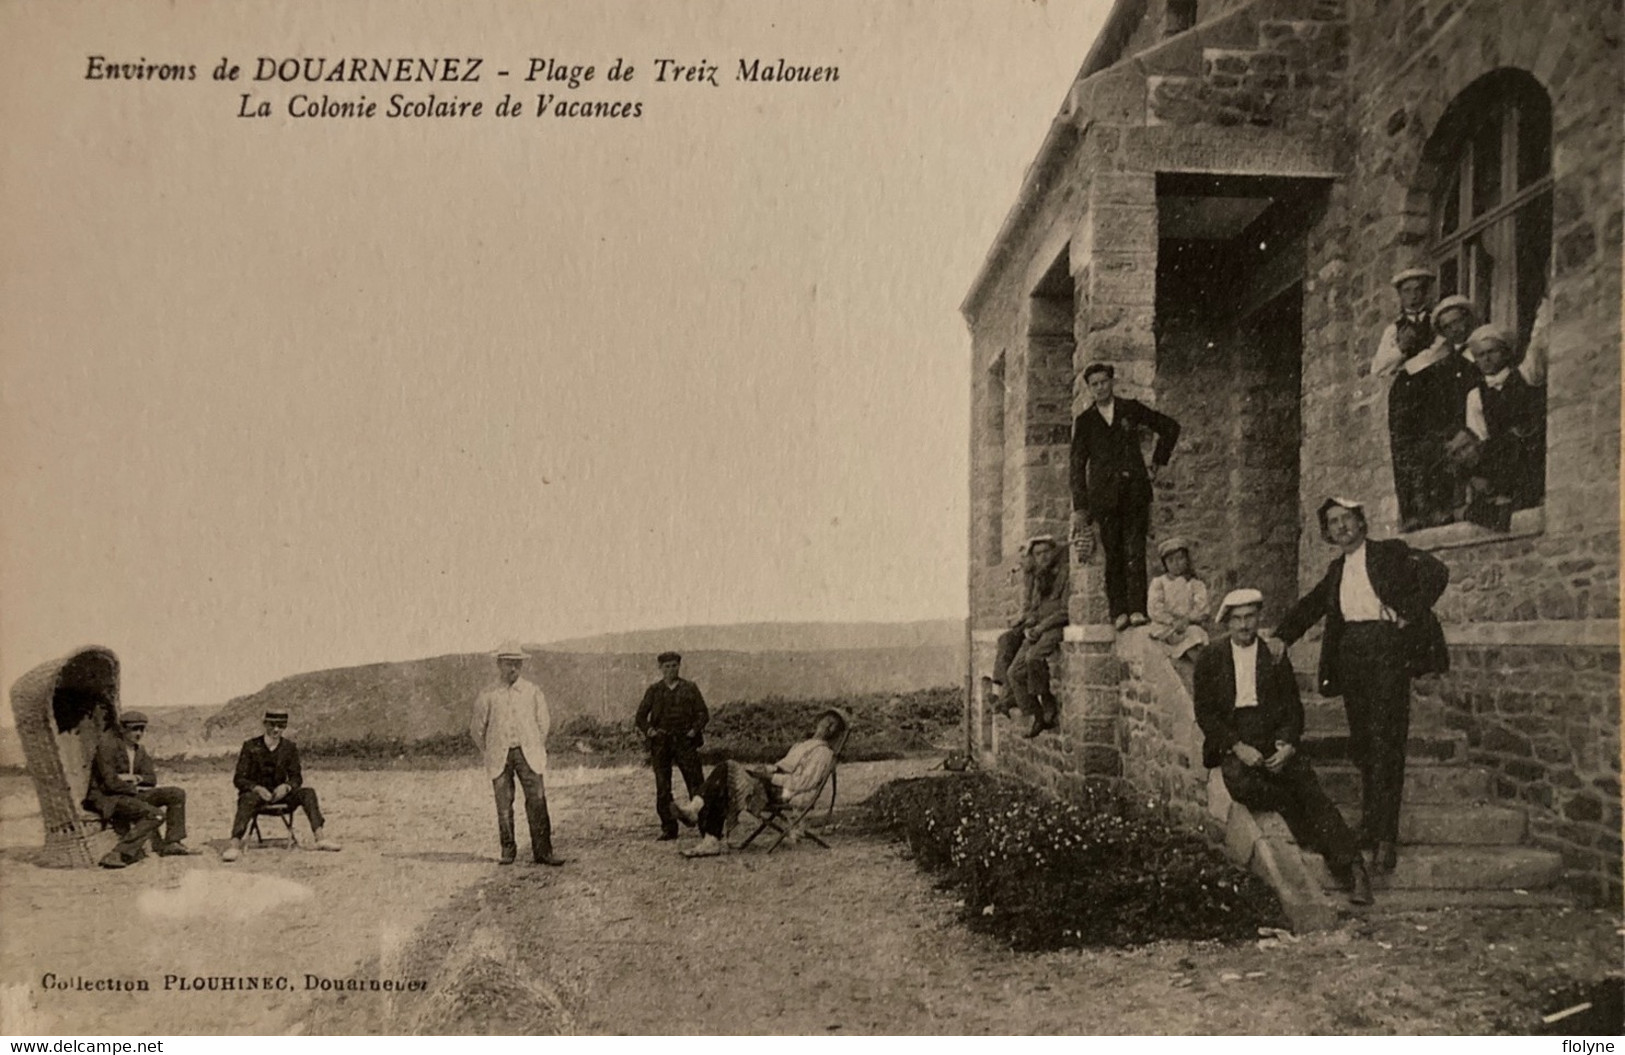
x=631 y=938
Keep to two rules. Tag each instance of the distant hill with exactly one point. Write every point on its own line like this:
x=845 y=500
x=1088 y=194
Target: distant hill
x=773 y=637
x=425 y=698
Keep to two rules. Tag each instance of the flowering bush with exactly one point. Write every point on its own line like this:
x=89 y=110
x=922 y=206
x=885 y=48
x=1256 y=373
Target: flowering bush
x=1045 y=874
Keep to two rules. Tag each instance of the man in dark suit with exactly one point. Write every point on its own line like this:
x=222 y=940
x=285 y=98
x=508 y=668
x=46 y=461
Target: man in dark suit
x=1247 y=705
x=124 y=792
x=268 y=772
x=1377 y=599
x=1111 y=488
x=672 y=718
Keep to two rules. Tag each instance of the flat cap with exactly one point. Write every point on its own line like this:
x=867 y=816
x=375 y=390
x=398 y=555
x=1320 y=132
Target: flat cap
x=1409 y=273
x=1238 y=599
x=1453 y=303
x=669 y=657
x=1493 y=333
x=1167 y=546
x=133 y=719
x=510 y=650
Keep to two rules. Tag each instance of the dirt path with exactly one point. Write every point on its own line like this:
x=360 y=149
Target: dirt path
x=631 y=938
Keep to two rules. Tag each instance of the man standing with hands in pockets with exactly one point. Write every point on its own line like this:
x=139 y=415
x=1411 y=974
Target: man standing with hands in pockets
x=510 y=726
x=672 y=719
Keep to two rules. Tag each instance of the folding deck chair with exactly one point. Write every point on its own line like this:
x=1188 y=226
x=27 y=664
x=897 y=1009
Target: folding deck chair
x=283 y=810
x=776 y=814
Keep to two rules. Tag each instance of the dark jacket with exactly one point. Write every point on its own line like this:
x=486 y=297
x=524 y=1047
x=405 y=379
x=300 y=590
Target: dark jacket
x=1046 y=591
x=1514 y=457
x=258 y=765
x=1108 y=472
x=107 y=774
x=680 y=709
x=1278 y=716
x=1406 y=580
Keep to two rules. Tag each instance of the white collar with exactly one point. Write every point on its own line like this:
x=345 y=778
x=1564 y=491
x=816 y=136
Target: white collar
x=1437 y=352
x=1496 y=380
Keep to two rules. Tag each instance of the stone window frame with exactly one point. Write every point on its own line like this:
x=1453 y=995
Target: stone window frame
x=1509 y=99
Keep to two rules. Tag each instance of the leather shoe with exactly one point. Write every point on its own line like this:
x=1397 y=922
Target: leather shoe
x=551 y=860
x=1360 y=885
x=1038 y=726
x=176 y=849
x=114 y=860
x=1386 y=857
x=666 y=837
x=508 y=859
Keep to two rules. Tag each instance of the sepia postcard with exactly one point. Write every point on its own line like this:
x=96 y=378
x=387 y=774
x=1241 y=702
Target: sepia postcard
x=712 y=518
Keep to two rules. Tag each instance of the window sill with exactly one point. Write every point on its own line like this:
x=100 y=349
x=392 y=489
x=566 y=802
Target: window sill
x=1526 y=523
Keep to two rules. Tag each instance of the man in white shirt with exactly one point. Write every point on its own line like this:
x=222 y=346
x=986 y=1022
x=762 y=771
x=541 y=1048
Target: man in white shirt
x=510 y=726
x=1506 y=415
x=1377 y=599
x=1252 y=720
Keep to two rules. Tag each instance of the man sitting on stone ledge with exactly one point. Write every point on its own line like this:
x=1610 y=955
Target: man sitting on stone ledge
x=1247 y=705
x=1024 y=651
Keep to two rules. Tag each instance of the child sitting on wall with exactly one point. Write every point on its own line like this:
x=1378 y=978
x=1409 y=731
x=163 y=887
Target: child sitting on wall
x=1177 y=602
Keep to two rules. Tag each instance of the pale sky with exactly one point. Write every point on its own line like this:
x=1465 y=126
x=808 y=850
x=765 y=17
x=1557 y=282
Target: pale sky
x=281 y=395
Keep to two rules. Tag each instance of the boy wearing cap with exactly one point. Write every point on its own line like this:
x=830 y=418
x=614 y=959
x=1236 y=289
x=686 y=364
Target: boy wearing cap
x=1177 y=602
x=1411 y=333
x=672 y=717
x=124 y=792
x=1426 y=412
x=1111 y=487
x=1506 y=416
x=1377 y=599
x=1034 y=637
x=268 y=772
x=1247 y=705
x=509 y=725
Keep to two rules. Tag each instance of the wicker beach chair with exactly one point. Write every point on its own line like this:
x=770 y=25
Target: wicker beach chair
x=63 y=708
x=784 y=818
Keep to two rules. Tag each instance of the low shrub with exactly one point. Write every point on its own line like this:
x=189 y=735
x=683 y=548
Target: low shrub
x=1044 y=874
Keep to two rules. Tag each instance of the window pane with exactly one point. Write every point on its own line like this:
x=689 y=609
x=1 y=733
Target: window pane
x=1450 y=205
x=1486 y=167
x=1449 y=278
x=1534 y=241
x=1481 y=272
x=1534 y=141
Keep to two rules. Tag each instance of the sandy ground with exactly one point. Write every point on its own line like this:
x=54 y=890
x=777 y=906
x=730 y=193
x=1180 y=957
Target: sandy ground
x=631 y=938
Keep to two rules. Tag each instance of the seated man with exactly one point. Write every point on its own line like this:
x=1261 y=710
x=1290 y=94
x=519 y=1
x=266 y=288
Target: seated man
x=268 y=772
x=1247 y=705
x=1024 y=651
x=124 y=792
x=734 y=787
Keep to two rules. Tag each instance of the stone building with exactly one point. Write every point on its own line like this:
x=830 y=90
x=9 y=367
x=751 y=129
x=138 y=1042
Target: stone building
x=1217 y=210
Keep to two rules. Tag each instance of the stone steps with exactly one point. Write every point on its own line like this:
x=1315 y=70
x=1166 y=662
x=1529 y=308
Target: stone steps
x=1424 y=783
x=1326 y=717
x=1469 y=869
x=1442 y=745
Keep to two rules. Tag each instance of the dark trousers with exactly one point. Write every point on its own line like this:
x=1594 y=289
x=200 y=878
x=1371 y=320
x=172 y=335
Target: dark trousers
x=1295 y=793
x=541 y=826
x=136 y=820
x=714 y=791
x=1377 y=701
x=665 y=750
x=249 y=803
x=1122 y=538
x=717 y=793
x=1024 y=666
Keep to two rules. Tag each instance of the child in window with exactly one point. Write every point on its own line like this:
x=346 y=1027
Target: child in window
x=1178 y=602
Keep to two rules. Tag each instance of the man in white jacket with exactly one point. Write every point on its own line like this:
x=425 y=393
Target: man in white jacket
x=510 y=726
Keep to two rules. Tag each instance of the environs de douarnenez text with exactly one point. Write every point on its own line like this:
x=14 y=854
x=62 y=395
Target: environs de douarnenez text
x=459 y=70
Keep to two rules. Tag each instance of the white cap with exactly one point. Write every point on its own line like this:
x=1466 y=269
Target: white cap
x=1238 y=599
